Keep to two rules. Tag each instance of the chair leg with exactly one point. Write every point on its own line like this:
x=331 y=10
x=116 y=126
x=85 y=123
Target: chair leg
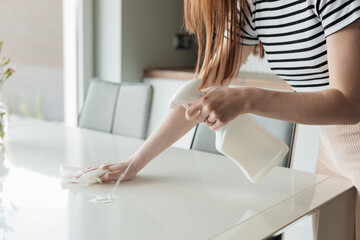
x=276 y=238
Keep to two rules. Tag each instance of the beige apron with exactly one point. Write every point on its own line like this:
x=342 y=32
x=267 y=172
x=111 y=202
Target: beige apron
x=339 y=156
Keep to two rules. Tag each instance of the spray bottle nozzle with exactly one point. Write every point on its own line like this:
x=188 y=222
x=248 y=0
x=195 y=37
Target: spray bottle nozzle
x=187 y=93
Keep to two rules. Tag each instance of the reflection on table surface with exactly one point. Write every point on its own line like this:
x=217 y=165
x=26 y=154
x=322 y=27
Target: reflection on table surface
x=180 y=195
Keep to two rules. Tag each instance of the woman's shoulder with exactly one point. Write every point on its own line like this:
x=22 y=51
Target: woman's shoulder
x=335 y=15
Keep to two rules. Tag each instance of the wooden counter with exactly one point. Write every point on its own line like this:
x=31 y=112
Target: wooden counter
x=243 y=79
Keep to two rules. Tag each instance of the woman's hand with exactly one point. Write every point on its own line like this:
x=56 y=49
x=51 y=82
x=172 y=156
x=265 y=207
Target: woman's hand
x=126 y=170
x=219 y=106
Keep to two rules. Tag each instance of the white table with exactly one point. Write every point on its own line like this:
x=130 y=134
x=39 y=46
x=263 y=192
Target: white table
x=181 y=194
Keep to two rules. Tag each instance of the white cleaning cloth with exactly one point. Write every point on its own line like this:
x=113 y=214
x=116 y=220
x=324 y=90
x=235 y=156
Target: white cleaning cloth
x=78 y=175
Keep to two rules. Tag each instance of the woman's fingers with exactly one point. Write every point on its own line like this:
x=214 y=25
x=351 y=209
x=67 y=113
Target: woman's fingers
x=92 y=167
x=110 y=176
x=116 y=171
x=202 y=116
x=193 y=111
x=104 y=166
x=216 y=125
x=210 y=121
x=209 y=89
x=89 y=169
x=115 y=175
x=200 y=110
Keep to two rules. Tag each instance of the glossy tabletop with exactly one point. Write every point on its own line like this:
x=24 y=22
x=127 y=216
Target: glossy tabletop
x=181 y=194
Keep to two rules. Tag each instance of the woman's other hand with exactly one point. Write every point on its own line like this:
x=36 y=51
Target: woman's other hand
x=219 y=106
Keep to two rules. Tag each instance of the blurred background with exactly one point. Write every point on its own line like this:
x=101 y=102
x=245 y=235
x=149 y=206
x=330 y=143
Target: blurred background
x=115 y=40
x=56 y=47
x=32 y=35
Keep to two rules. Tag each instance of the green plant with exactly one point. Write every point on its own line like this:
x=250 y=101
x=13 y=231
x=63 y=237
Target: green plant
x=5 y=72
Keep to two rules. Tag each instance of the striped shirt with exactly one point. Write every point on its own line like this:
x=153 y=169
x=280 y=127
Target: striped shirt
x=294 y=33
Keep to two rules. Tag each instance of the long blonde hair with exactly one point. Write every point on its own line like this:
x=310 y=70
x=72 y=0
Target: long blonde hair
x=209 y=20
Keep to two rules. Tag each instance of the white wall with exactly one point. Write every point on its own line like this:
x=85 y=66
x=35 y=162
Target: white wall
x=133 y=35
x=35 y=91
x=107 y=39
x=148 y=28
x=32 y=35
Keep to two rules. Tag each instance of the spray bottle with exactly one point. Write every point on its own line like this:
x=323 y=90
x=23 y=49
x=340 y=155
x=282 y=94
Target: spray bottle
x=251 y=147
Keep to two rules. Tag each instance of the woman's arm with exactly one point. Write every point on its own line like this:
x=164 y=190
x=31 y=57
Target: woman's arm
x=340 y=104
x=174 y=127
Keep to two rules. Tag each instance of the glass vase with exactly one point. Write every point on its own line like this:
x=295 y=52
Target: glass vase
x=3 y=120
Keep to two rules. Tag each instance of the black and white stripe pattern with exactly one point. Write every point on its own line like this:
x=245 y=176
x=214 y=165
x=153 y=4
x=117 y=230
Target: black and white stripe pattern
x=293 y=33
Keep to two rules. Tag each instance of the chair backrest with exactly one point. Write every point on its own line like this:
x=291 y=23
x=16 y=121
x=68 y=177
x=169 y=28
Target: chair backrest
x=133 y=110
x=204 y=138
x=98 y=110
x=119 y=108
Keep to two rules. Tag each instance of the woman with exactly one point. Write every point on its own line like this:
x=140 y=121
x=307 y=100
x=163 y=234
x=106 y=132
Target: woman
x=314 y=45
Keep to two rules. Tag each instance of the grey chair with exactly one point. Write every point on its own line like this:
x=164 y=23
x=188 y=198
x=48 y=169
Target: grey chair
x=99 y=106
x=119 y=108
x=204 y=138
x=133 y=110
